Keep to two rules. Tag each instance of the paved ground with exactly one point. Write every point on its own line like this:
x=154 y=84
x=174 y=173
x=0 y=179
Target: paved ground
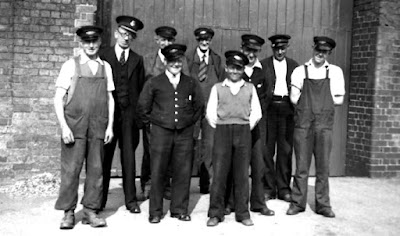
x=363 y=207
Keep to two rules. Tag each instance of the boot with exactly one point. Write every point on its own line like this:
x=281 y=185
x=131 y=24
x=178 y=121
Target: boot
x=68 y=221
x=90 y=218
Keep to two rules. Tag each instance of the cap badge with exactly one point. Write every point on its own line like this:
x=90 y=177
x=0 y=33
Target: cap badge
x=90 y=32
x=203 y=32
x=252 y=41
x=322 y=42
x=237 y=57
x=132 y=23
x=173 y=50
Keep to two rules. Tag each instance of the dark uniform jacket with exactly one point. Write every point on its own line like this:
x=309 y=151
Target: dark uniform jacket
x=268 y=64
x=127 y=91
x=171 y=108
x=214 y=63
x=260 y=82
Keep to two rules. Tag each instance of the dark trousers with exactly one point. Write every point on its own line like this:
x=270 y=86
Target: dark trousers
x=72 y=158
x=205 y=149
x=232 y=150
x=172 y=147
x=127 y=133
x=280 y=126
x=317 y=140
x=145 y=168
x=257 y=167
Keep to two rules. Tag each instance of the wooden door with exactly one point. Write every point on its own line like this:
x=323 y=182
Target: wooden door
x=302 y=19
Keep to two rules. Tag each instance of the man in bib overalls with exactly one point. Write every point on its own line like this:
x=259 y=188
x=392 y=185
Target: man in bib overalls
x=317 y=87
x=86 y=120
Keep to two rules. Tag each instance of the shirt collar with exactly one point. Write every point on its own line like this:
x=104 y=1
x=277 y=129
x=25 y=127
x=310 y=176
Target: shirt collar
x=162 y=57
x=276 y=61
x=171 y=76
x=256 y=64
x=201 y=54
x=118 y=50
x=229 y=83
x=309 y=63
x=85 y=59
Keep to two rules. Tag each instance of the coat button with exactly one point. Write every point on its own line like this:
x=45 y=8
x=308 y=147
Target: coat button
x=176 y=120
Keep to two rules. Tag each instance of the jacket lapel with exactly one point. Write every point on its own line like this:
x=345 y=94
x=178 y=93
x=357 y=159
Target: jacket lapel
x=132 y=61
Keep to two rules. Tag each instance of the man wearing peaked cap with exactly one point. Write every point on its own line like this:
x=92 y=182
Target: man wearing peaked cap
x=233 y=109
x=89 y=32
x=254 y=72
x=171 y=103
x=130 y=23
x=323 y=43
x=317 y=87
x=279 y=120
x=204 y=66
x=128 y=72
x=155 y=64
x=88 y=98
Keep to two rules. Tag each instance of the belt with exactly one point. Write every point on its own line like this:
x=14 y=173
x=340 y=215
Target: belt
x=276 y=98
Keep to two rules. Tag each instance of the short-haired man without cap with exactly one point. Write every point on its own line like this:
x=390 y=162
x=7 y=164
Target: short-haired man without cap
x=279 y=117
x=317 y=87
x=205 y=66
x=128 y=73
x=233 y=109
x=170 y=104
x=86 y=120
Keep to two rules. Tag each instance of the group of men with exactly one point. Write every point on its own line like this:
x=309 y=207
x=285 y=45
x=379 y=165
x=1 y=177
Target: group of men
x=188 y=104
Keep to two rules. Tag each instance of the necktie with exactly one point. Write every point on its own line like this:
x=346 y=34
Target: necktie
x=122 y=58
x=203 y=69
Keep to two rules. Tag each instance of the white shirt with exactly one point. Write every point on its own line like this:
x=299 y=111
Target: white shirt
x=118 y=52
x=201 y=54
x=280 y=68
x=249 y=69
x=68 y=71
x=162 y=57
x=212 y=105
x=337 y=84
x=174 y=80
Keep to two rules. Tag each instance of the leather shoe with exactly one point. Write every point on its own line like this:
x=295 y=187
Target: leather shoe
x=182 y=217
x=154 y=219
x=268 y=197
x=227 y=211
x=247 y=222
x=90 y=218
x=294 y=211
x=214 y=221
x=326 y=212
x=135 y=209
x=286 y=198
x=264 y=211
x=68 y=221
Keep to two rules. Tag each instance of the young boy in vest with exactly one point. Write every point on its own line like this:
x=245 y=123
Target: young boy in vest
x=233 y=109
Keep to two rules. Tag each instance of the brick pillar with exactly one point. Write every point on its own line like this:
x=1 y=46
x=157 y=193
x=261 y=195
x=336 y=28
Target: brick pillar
x=373 y=142
x=36 y=37
x=6 y=68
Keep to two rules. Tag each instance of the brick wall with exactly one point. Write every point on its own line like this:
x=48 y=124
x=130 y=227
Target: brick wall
x=36 y=37
x=374 y=107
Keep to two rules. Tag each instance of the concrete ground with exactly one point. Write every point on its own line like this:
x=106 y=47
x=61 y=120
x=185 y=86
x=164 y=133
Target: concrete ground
x=363 y=207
